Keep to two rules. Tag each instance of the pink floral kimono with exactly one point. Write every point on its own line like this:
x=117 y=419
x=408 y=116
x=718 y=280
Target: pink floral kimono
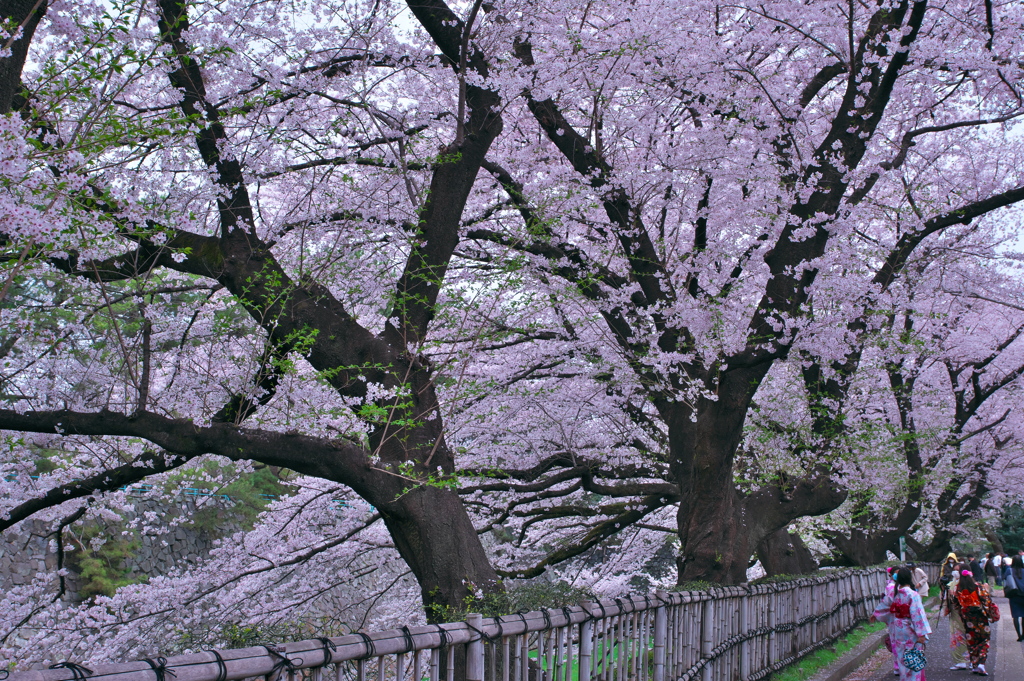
x=904 y=614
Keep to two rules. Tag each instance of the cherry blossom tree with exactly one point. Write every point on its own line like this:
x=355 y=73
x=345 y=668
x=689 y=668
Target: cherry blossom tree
x=951 y=361
x=286 y=167
x=735 y=182
x=261 y=232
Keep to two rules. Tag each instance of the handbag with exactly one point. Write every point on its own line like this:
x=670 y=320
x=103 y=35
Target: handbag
x=914 y=659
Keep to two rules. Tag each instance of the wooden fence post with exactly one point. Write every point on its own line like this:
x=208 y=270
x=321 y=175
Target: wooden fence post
x=793 y=618
x=814 y=611
x=851 y=594
x=837 y=597
x=660 y=636
x=834 y=605
x=744 y=629
x=707 y=630
x=841 y=613
x=475 y=649
x=586 y=649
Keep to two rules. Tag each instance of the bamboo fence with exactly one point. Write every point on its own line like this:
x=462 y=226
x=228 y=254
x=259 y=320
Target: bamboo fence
x=738 y=633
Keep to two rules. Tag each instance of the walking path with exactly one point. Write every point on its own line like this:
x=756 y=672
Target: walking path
x=1005 y=658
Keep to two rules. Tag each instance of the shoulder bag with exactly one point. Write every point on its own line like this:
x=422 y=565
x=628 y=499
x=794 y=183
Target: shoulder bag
x=1010 y=586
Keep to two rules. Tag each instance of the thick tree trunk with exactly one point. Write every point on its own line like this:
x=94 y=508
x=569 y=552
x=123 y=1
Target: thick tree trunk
x=867 y=544
x=936 y=550
x=715 y=544
x=720 y=528
x=26 y=14
x=862 y=548
x=718 y=536
x=715 y=541
x=993 y=538
x=426 y=517
x=784 y=553
x=434 y=535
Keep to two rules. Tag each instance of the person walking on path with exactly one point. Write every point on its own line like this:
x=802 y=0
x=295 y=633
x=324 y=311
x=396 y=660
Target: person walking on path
x=946 y=574
x=905 y=618
x=1015 y=573
x=957 y=635
x=990 y=568
x=976 y=570
x=976 y=611
x=890 y=587
x=920 y=580
x=1001 y=563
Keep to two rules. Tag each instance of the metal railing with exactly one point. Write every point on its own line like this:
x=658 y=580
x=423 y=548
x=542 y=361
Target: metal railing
x=739 y=633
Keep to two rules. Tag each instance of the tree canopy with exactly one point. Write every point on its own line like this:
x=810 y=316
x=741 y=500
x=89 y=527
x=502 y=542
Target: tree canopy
x=574 y=289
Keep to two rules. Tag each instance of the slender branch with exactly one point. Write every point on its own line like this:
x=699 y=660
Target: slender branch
x=631 y=514
x=148 y=464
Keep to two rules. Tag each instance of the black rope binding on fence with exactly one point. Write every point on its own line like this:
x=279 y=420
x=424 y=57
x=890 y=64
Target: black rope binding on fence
x=547 y=618
x=483 y=634
x=445 y=637
x=328 y=647
x=371 y=650
x=78 y=671
x=282 y=662
x=590 y=616
x=222 y=667
x=160 y=668
x=407 y=635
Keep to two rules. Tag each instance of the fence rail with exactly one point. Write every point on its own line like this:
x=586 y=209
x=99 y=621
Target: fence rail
x=740 y=633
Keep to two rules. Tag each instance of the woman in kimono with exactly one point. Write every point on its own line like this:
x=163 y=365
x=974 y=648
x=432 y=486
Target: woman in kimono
x=904 y=615
x=890 y=587
x=957 y=634
x=975 y=605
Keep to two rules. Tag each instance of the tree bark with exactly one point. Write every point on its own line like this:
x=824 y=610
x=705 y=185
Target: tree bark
x=784 y=553
x=993 y=538
x=434 y=535
x=936 y=550
x=719 y=526
x=26 y=14
x=869 y=541
x=862 y=548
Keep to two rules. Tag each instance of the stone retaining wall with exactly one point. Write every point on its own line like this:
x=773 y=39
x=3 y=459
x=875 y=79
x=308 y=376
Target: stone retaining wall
x=29 y=548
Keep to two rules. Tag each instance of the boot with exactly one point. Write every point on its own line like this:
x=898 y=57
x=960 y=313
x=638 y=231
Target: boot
x=1018 y=624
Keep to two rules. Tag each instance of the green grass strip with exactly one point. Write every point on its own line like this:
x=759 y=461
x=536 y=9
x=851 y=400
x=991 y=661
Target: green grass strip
x=815 y=662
